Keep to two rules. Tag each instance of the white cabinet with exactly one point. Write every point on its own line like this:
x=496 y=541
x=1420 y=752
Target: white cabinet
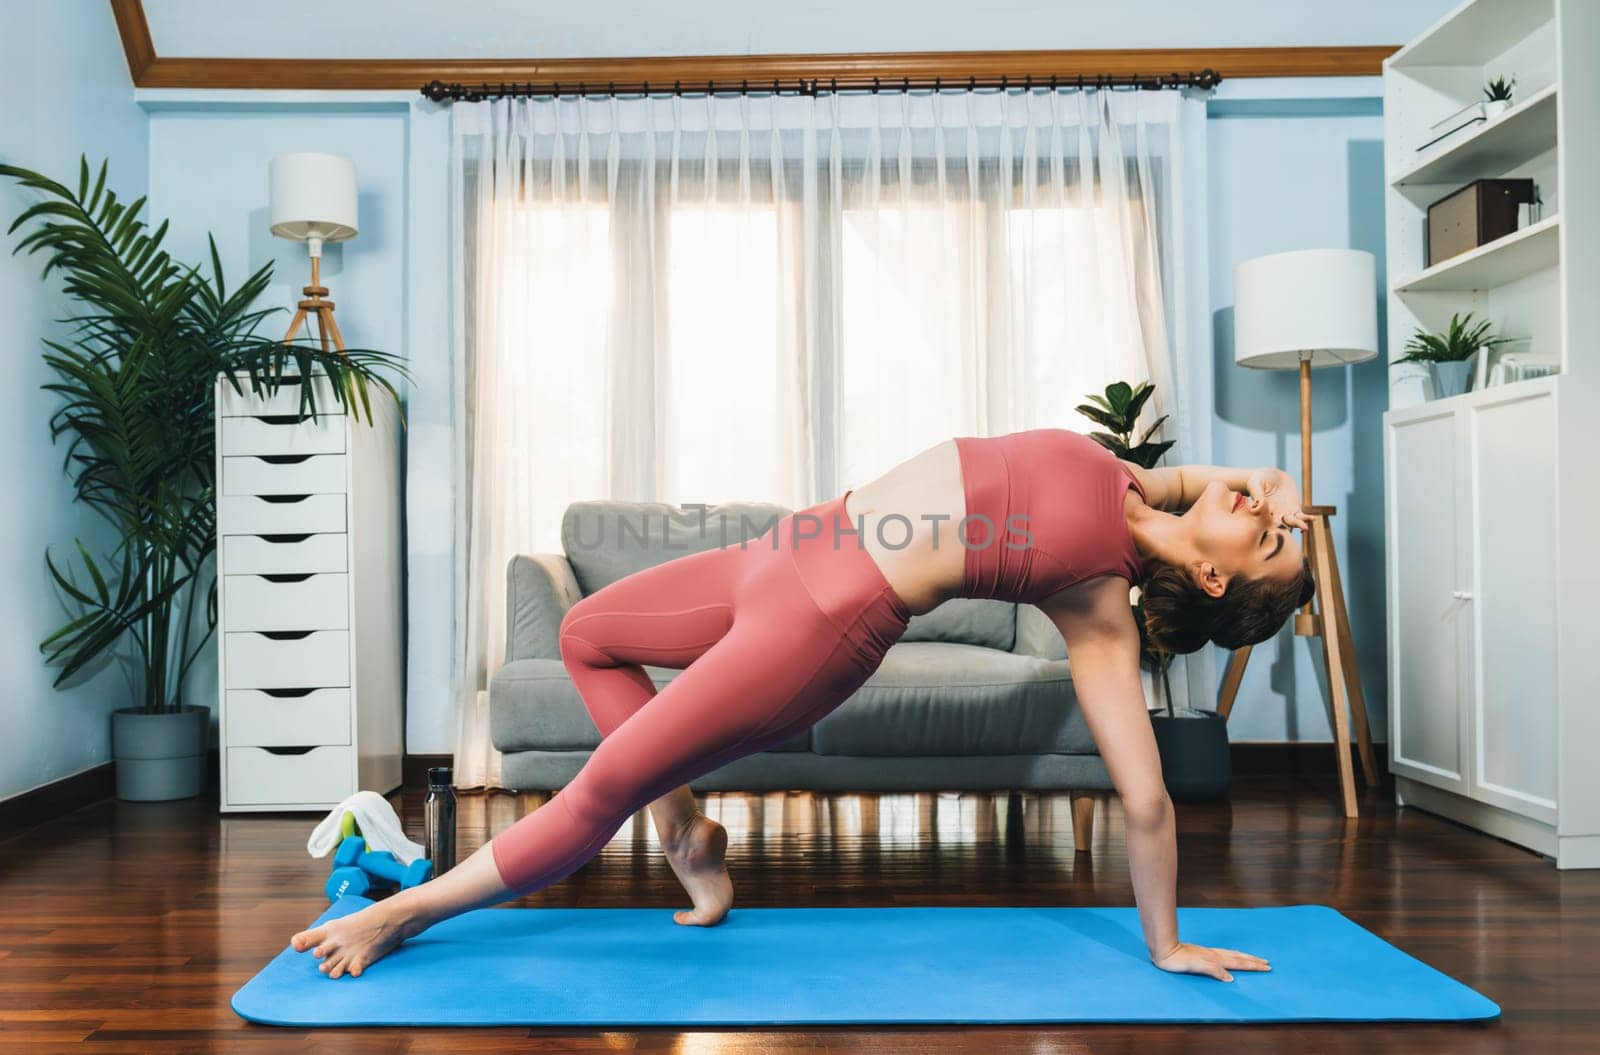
x=1494 y=631
x=309 y=587
x=1510 y=439
x=1427 y=733
x=1472 y=599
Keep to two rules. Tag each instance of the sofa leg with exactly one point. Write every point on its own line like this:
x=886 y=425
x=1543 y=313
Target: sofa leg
x=1082 y=821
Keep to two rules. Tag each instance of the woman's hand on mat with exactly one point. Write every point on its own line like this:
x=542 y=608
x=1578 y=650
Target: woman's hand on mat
x=1277 y=490
x=1184 y=958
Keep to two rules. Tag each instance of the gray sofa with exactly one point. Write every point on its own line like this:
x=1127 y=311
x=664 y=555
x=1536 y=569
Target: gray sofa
x=976 y=695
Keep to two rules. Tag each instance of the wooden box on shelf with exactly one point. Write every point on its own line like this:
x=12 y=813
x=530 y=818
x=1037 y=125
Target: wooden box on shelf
x=1475 y=215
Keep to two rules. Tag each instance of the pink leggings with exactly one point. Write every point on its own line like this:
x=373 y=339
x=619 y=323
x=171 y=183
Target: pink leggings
x=770 y=635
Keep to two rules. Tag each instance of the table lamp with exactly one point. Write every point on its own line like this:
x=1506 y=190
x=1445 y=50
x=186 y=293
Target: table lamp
x=313 y=201
x=1298 y=310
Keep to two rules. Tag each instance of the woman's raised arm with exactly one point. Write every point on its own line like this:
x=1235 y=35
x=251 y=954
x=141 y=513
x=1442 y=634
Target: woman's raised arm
x=1175 y=488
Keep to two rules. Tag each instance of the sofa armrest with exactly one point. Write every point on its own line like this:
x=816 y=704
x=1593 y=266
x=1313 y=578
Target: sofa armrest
x=540 y=587
x=1037 y=635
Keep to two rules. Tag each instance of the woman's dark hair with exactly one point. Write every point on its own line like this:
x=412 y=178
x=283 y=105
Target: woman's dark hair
x=1180 y=617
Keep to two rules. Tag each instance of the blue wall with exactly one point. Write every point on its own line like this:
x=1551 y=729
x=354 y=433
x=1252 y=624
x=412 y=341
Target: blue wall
x=208 y=171
x=1283 y=174
x=208 y=174
x=65 y=89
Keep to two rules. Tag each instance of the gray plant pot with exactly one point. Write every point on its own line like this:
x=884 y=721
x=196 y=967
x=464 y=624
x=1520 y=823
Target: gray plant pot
x=1451 y=379
x=1196 y=763
x=160 y=756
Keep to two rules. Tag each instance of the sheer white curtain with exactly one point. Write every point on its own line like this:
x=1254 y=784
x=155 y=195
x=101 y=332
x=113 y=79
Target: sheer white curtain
x=700 y=299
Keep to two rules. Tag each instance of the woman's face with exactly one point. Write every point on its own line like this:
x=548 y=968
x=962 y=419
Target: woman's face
x=1235 y=538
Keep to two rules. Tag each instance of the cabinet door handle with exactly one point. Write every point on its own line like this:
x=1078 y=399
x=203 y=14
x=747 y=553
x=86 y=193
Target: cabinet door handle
x=1461 y=595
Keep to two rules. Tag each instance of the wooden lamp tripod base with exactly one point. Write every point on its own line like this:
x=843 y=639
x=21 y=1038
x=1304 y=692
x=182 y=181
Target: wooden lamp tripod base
x=1330 y=622
x=316 y=306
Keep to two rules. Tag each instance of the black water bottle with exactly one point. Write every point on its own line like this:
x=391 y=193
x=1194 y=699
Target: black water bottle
x=439 y=820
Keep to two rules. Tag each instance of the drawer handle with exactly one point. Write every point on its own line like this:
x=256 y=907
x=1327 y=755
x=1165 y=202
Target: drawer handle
x=281 y=419
x=277 y=540
x=283 y=499
x=288 y=694
x=288 y=750
x=287 y=578
x=285 y=635
x=282 y=459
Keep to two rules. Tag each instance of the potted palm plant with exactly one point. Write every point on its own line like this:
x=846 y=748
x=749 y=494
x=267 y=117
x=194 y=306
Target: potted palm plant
x=1452 y=355
x=1196 y=762
x=134 y=375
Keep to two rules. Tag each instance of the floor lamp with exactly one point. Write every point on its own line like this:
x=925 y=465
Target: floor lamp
x=1315 y=307
x=313 y=201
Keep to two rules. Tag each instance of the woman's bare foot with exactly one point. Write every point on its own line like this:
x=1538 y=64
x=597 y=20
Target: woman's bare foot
x=351 y=944
x=697 y=853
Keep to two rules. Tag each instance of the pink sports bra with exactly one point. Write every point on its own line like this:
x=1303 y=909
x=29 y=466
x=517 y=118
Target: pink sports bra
x=1044 y=511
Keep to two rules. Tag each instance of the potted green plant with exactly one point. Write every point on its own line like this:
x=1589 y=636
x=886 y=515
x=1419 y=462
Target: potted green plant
x=1452 y=355
x=1497 y=96
x=1196 y=762
x=134 y=374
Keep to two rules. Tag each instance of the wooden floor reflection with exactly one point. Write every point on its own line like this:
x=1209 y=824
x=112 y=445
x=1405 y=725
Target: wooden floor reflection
x=125 y=928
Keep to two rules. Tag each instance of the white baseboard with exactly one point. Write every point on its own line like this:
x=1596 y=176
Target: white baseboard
x=1492 y=820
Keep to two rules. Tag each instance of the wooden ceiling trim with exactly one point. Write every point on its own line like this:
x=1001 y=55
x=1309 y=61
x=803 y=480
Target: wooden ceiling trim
x=135 y=33
x=150 y=70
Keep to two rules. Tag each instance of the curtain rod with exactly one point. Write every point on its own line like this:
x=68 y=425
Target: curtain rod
x=440 y=92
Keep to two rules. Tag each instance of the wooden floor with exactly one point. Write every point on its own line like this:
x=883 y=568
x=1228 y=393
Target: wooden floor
x=125 y=928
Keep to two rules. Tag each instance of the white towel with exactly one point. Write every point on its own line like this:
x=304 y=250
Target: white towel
x=379 y=824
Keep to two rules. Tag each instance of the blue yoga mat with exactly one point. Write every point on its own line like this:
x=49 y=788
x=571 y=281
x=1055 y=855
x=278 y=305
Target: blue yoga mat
x=635 y=967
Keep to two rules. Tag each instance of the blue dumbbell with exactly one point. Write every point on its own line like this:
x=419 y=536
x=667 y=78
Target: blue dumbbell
x=384 y=865
x=352 y=881
x=347 y=876
x=358 y=871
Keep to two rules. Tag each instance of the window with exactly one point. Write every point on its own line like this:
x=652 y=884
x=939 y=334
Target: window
x=723 y=390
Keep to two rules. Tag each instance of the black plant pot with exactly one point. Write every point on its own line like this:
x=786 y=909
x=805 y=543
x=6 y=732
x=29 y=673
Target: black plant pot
x=1195 y=761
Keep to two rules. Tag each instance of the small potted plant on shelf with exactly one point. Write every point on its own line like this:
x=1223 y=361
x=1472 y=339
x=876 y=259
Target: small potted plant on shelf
x=134 y=370
x=1497 y=96
x=1195 y=759
x=1451 y=356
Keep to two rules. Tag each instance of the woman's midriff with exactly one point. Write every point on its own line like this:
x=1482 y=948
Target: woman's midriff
x=909 y=518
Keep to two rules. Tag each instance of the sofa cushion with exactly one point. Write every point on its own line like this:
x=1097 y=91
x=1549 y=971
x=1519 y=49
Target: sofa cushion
x=540 y=588
x=967 y=621
x=608 y=540
x=941 y=699
x=533 y=705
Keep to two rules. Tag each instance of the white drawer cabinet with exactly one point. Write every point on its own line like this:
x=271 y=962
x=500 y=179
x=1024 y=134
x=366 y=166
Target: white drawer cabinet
x=286 y=659
x=281 y=434
x=284 y=474
x=285 y=554
x=288 y=717
x=287 y=602
x=286 y=400
x=288 y=778
x=311 y=678
x=280 y=514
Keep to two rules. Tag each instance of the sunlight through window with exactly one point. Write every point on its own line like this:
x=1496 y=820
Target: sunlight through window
x=722 y=413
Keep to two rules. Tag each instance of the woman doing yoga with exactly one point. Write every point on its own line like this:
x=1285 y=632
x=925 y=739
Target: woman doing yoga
x=773 y=633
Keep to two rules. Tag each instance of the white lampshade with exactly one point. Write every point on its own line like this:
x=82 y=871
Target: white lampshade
x=1319 y=304
x=313 y=198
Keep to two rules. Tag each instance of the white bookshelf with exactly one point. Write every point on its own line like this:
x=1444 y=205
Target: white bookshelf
x=1494 y=694
x=1499 y=144
x=1525 y=253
